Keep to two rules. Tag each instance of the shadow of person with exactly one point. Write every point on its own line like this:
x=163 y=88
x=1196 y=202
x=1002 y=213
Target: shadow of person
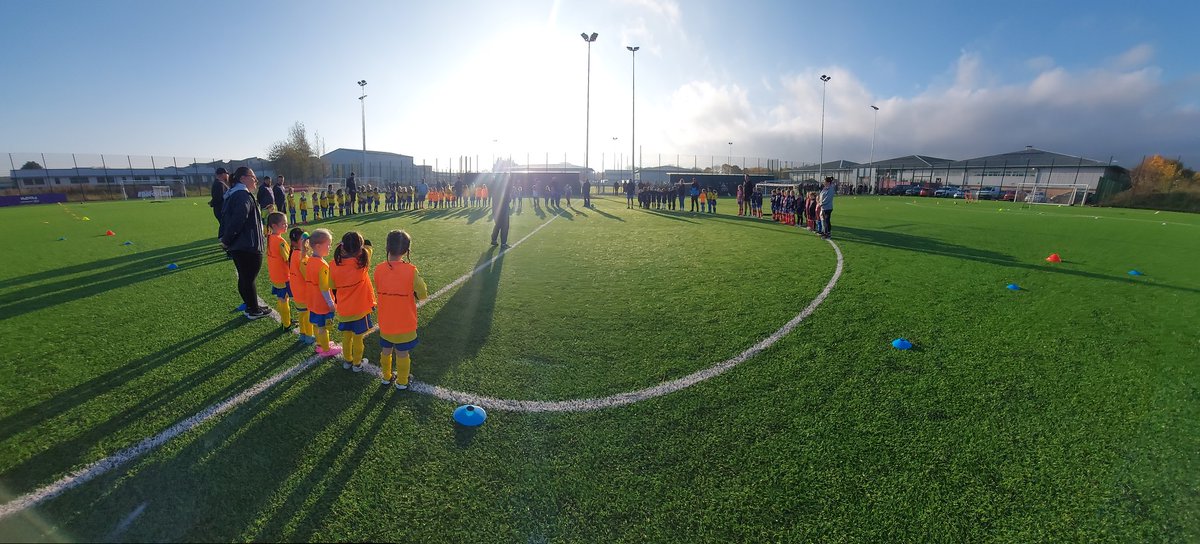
x=461 y=327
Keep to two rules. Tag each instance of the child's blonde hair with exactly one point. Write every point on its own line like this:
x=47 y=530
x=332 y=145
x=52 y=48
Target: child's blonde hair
x=320 y=236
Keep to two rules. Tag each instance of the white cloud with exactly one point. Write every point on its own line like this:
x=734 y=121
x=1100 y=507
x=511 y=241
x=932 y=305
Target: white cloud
x=667 y=10
x=1136 y=56
x=1040 y=63
x=1094 y=112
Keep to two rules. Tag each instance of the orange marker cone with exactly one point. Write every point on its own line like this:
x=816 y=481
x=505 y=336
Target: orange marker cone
x=1054 y=258
x=108 y=233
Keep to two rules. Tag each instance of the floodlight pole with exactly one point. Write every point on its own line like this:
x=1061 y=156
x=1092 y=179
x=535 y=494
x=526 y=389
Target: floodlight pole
x=821 y=165
x=633 y=100
x=362 y=83
x=587 y=130
x=729 y=159
x=874 y=178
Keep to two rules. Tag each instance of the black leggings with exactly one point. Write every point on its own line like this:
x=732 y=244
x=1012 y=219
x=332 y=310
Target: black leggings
x=825 y=220
x=500 y=227
x=248 y=264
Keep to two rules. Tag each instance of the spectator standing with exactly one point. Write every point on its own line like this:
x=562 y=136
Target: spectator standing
x=827 y=207
x=351 y=191
x=242 y=237
x=266 y=197
x=278 y=195
x=219 y=187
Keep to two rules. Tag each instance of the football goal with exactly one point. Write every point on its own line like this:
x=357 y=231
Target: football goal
x=1062 y=194
x=160 y=193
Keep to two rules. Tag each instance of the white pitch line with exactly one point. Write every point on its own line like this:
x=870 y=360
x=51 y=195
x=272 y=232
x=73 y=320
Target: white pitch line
x=630 y=397
x=93 y=470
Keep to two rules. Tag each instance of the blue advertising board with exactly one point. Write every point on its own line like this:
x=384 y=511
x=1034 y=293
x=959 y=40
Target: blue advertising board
x=17 y=200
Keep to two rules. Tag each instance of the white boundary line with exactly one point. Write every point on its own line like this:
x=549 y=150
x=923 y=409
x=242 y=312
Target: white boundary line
x=93 y=470
x=630 y=397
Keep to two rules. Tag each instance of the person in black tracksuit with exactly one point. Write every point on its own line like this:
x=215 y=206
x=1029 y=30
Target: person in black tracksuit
x=242 y=237
x=278 y=196
x=219 y=186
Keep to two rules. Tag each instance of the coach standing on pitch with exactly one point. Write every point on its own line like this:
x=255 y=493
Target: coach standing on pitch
x=242 y=237
x=501 y=209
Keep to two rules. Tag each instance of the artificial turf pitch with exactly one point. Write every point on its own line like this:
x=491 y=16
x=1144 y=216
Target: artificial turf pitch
x=1068 y=410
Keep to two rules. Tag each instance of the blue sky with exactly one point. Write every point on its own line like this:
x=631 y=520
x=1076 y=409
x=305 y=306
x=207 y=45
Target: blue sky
x=952 y=79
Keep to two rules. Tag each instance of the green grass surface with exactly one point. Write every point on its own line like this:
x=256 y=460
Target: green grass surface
x=1067 y=411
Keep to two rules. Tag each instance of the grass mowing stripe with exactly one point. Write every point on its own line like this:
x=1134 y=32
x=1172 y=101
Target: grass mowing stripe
x=630 y=397
x=90 y=472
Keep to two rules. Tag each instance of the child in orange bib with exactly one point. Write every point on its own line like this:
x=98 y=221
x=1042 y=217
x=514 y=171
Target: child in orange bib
x=297 y=260
x=277 y=265
x=355 y=296
x=317 y=286
x=400 y=288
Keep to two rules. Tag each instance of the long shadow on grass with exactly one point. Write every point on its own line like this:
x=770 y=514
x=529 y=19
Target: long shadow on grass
x=223 y=480
x=35 y=298
x=607 y=215
x=462 y=326
x=65 y=401
x=667 y=215
x=909 y=242
x=164 y=255
x=76 y=450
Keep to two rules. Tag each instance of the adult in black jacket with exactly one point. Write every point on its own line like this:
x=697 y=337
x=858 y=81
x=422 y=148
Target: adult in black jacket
x=351 y=193
x=219 y=186
x=242 y=237
x=278 y=196
x=266 y=199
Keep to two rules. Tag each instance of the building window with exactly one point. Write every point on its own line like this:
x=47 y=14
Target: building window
x=35 y=181
x=76 y=180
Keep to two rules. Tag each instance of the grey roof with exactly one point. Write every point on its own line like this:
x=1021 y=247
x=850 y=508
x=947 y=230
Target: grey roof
x=328 y=156
x=828 y=166
x=1032 y=157
x=910 y=162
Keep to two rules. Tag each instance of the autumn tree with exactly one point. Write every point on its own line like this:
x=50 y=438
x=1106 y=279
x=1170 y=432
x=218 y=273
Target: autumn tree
x=31 y=165
x=296 y=157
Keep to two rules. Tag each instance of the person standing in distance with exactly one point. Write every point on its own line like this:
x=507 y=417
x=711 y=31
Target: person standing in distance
x=219 y=187
x=351 y=191
x=266 y=197
x=279 y=197
x=242 y=238
x=587 y=191
x=500 y=211
x=827 y=206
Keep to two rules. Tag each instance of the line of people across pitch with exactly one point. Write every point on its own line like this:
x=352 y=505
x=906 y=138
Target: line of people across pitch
x=811 y=209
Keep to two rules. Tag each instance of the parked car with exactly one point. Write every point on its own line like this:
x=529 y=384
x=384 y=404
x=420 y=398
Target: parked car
x=958 y=193
x=1009 y=195
x=946 y=192
x=1036 y=196
x=899 y=189
x=987 y=193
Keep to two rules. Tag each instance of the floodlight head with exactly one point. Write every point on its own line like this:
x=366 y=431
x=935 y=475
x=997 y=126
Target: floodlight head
x=594 y=36
x=362 y=83
x=825 y=77
x=632 y=48
x=585 y=36
x=876 y=108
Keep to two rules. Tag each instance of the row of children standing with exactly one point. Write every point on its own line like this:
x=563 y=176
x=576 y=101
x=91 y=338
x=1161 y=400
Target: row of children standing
x=796 y=209
x=343 y=289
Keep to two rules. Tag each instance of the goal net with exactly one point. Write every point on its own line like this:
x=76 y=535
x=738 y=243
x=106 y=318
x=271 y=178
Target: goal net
x=160 y=193
x=1061 y=194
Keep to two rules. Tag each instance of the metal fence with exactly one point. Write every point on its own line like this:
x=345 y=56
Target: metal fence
x=89 y=176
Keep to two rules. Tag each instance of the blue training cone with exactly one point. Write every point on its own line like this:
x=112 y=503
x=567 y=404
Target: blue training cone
x=901 y=344
x=62 y=238
x=1013 y=287
x=470 y=415
x=1135 y=273
x=127 y=243
x=172 y=266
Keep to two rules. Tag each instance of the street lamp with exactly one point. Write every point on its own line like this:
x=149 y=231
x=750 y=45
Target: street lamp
x=874 y=178
x=362 y=100
x=588 y=116
x=821 y=165
x=633 y=100
x=729 y=158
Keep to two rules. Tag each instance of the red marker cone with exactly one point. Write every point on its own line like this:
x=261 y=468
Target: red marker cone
x=108 y=233
x=1054 y=258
